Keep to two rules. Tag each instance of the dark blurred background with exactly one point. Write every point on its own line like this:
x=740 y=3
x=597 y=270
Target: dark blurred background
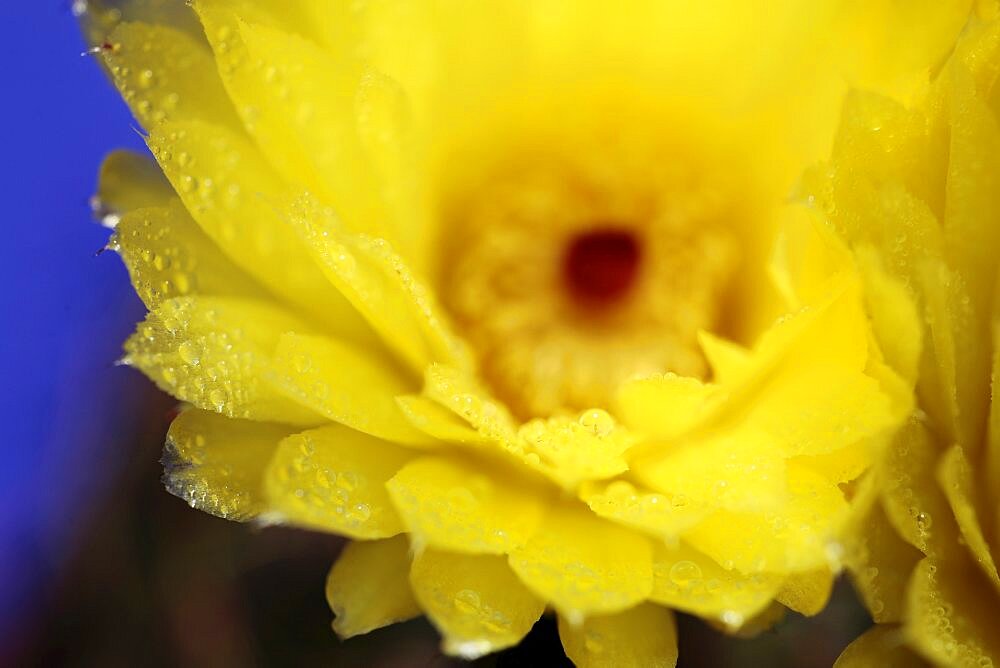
x=98 y=564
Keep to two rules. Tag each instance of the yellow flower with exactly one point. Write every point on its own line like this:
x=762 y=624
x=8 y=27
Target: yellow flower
x=486 y=287
x=914 y=191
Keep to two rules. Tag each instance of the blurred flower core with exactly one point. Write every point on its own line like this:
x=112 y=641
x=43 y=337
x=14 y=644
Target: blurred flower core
x=512 y=295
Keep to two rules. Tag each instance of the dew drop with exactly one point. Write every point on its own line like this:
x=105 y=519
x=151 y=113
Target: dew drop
x=684 y=573
x=359 y=513
x=593 y=642
x=146 y=78
x=189 y=353
x=597 y=421
x=467 y=602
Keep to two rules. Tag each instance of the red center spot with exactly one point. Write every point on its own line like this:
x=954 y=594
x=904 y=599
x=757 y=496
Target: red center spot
x=600 y=266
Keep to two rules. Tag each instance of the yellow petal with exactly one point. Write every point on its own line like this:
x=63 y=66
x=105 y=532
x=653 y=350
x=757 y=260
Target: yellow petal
x=461 y=393
x=591 y=447
x=806 y=255
x=797 y=536
x=973 y=177
x=438 y=422
x=881 y=646
x=959 y=485
x=951 y=614
x=278 y=103
x=687 y=580
x=992 y=459
x=880 y=563
x=896 y=322
x=344 y=383
x=217 y=464
x=765 y=620
x=381 y=287
x=450 y=504
x=585 y=565
x=840 y=466
x=168 y=256
x=660 y=515
x=665 y=406
x=368 y=586
x=807 y=593
x=215 y=352
x=100 y=17
x=642 y=637
x=312 y=112
x=890 y=40
x=737 y=470
x=232 y=193
x=476 y=601
x=815 y=404
x=913 y=500
x=165 y=74
x=128 y=181
x=333 y=479
x=729 y=360
x=949 y=316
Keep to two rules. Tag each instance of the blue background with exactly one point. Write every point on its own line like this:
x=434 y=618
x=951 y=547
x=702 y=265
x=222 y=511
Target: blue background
x=66 y=410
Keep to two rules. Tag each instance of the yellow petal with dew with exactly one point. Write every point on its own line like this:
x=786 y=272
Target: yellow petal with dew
x=584 y=565
x=311 y=107
x=100 y=17
x=269 y=94
x=438 y=422
x=381 y=286
x=882 y=646
x=880 y=563
x=232 y=193
x=344 y=383
x=816 y=404
x=783 y=400
x=948 y=313
x=797 y=536
x=992 y=458
x=215 y=352
x=476 y=601
x=450 y=504
x=642 y=637
x=964 y=497
x=570 y=451
x=333 y=479
x=951 y=614
x=368 y=586
x=807 y=593
x=165 y=74
x=129 y=180
x=461 y=393
x=217 y=464
x=687 y=580
x=822 y=410
x=912 y=498
x=737 y=470
x=659 y=515
x=973 y=178
x=167 y=256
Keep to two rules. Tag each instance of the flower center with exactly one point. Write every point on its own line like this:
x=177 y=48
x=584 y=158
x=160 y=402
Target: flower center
x=600 y=267
x=571 y=271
